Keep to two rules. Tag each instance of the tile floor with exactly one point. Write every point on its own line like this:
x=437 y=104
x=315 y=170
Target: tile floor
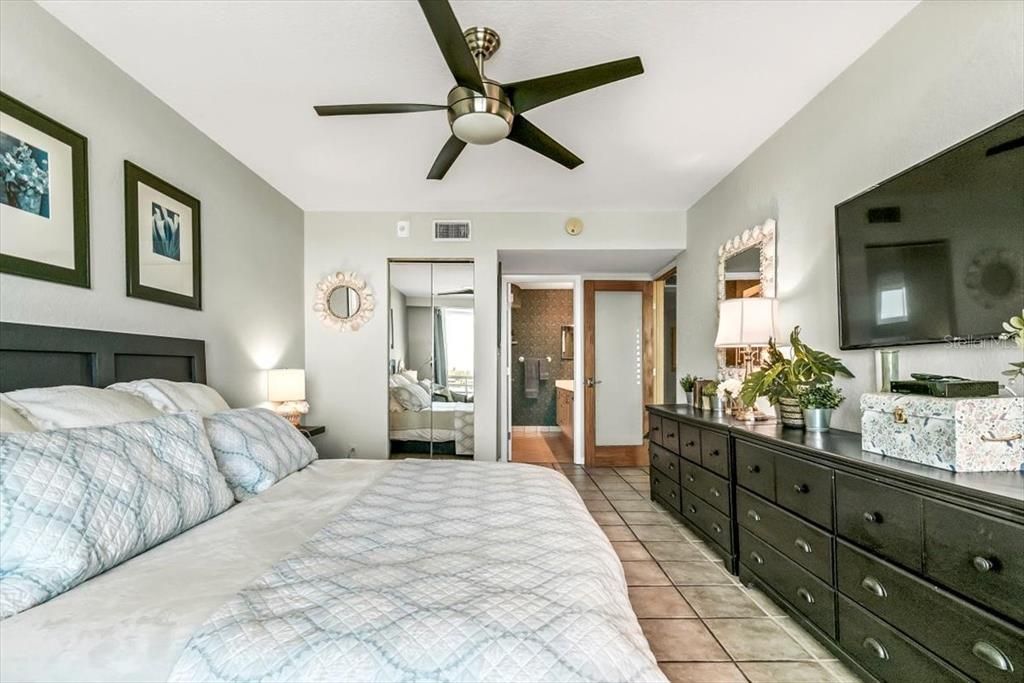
x=702 y=624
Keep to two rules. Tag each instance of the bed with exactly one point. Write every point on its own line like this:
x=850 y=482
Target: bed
x=345 y=570
x=444 y=422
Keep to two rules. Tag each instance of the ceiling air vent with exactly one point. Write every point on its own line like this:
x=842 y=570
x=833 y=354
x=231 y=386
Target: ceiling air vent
x=451 y=231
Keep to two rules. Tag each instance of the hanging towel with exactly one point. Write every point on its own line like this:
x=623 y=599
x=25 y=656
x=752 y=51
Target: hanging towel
x=531 y=387
x=545 y=369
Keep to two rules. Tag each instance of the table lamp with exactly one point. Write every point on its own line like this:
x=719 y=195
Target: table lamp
x=747 y=324
x=287 y=388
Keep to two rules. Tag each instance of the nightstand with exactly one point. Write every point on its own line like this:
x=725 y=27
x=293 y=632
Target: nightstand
x=309 y=431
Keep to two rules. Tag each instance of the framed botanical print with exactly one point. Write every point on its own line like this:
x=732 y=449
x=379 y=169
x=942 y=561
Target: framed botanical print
x=162 y=240
x=44 y=197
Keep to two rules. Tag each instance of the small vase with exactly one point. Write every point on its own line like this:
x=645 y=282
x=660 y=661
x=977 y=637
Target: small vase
x=790 y=413
x=686 y=398
x=694 y=399
x=817 y=419
x=717 y=405
x=705 y=402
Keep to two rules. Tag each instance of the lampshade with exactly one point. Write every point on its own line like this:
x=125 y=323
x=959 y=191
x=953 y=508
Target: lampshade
x=746 y=322
x=286 y=385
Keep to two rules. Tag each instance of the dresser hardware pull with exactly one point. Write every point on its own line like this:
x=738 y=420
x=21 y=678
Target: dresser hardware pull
x=657 y=482
x=671 y=436
x=753 y=469
x=873 y=586
x=691 y=444
x=753 y=515
x=716 y=527
x=689 y=477
x=803 y=545
x=876 y=648
x=991 y=655
x=655 y=429
x=983 y=564
x=714 y=452
x=673 y=494
x=1004 y=439
x=800 y=488
x=873 y=517
x=715 y=493
x=692 y=509
x=757 y=558
x=805 y=595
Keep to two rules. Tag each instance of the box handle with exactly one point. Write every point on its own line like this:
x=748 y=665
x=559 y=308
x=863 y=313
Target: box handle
x=899 y=416
x=1003 y=439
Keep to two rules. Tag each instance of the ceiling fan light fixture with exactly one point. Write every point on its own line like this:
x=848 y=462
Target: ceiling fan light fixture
x=480 y=128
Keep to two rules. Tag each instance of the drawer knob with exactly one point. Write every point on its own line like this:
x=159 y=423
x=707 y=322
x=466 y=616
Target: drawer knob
x=715 y=493
x=876 y=648
x=753 y=469
x=873 y=586
x=800 y=488
x=757 y=558
x=671 y=436
x=805 y=595
x=689 y=477
x=673 y=494
x=714 y=452
x=690 y=444
x=753 y=515
x=983 y=564
x=657 y=482
x=692 y=509
x=655 y=429
x=872 y=518
x=803 y=545
x=717 y=527
x=991 y=655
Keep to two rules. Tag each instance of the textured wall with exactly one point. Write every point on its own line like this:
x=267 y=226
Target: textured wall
x=537 y=329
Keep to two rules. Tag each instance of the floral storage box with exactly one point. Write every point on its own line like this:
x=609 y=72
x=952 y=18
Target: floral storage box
x=958 y=434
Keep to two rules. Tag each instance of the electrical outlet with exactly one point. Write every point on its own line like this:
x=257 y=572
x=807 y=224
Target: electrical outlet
x=403 y=228
x=352 y=452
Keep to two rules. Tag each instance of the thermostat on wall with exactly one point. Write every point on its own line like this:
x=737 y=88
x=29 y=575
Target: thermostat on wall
x=403 y=228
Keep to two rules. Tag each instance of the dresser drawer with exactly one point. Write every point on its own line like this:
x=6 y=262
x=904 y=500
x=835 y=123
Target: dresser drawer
x=881 y=518
x=755 y=469
x=712 y=488
x=667 y=463
x=977 y=643
x=804 y=488
x=714 y=452
x=976 y=555
x=805 y=544
x=709 y=520
x=689 y=443
x=670 y=434
x=666 y=489
x=804 y=592
x=885 y=652
x=654 y=429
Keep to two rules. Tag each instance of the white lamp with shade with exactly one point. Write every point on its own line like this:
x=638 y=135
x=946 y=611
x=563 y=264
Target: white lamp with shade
x=287 y=388
x=747 y=324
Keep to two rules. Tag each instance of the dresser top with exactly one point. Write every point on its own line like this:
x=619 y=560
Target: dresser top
x=1005 y=489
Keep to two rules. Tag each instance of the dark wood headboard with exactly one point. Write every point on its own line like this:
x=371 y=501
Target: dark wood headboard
x=41 y=356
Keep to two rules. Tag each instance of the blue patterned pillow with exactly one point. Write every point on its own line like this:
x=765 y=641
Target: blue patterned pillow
x=256 y=448
x=77 y=502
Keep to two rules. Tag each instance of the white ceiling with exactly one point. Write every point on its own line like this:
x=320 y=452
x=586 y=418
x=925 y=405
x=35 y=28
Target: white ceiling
x=585 y=261
x=720 y=78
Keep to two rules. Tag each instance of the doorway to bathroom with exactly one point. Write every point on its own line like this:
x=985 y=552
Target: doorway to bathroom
x=543 y=353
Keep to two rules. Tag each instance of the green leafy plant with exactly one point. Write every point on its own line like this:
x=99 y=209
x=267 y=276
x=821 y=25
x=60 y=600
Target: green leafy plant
x=710 y=389
x=821 y=396
x=781 y=377
x=687 y=382
x=1014 y=331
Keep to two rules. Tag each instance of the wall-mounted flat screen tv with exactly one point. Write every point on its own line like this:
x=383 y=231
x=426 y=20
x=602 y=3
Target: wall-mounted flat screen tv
x=936 y=253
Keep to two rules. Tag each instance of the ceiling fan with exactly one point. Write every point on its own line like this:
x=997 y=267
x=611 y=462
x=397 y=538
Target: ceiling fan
x=482 y=111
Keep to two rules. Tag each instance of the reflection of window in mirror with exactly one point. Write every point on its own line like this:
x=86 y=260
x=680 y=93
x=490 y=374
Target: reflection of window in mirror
x=742 y=280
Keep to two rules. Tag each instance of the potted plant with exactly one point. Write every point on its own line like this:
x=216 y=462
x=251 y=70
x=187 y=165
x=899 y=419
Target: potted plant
x=687 y=383
x=712 y=401
x=817 y=403
x=782 y=379
x=1014 y=331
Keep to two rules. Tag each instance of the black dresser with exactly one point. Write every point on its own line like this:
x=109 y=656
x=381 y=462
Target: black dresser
x=909 y=572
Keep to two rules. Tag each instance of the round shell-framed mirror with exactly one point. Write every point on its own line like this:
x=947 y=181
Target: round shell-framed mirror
x=343 y=301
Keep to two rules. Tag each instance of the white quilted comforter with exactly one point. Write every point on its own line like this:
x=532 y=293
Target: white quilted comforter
x=438 y=571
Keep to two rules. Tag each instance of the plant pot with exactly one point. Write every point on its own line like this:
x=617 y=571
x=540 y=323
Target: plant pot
x=817 y=419
x=694 y=398
x=685 y=398
x=790 y=412
x=705 y=403
x=717 y=405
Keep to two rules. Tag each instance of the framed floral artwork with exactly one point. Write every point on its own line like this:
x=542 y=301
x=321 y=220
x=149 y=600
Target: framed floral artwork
x=44 y=197
x=162 y=240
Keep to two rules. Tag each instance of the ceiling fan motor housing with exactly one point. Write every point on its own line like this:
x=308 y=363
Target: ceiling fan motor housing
x=480 y=119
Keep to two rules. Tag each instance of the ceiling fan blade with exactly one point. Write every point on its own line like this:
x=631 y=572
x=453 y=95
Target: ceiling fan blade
x=534 y=92
x=448 y=35
x=529 y=135
x=348 y=109
x=449 y=153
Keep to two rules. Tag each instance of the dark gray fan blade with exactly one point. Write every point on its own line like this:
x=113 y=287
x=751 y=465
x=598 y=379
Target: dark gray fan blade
x=448 y=35
x=528 y=94
x=529 y=135
x=449 y=153
x=348 y=109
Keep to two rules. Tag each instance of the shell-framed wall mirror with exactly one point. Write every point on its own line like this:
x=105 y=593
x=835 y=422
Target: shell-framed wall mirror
x=343 y=301
x=746 y=268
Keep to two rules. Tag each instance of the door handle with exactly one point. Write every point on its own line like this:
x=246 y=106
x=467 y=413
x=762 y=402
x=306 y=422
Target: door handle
x=591 y=382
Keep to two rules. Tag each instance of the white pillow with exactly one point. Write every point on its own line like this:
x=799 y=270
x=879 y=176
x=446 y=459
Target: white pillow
x=411 y=397
x=72 y=406
x=399 y=380
x=11 y=420
x=175 y=397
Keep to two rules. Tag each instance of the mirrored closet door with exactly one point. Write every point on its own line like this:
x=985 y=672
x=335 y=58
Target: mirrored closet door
x=430 y=366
